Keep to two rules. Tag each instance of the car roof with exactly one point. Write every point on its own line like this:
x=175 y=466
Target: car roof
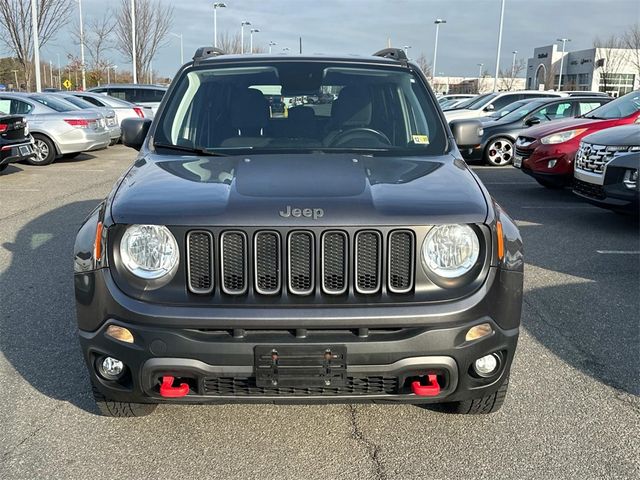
x=286 y=57
x=128 y=85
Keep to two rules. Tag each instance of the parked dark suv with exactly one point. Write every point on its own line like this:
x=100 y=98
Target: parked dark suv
x=343 y=253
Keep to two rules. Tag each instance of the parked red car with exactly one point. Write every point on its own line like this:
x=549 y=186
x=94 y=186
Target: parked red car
x=546 y=152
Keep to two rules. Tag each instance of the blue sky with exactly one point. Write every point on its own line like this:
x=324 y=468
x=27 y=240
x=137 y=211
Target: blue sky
x=362 y=26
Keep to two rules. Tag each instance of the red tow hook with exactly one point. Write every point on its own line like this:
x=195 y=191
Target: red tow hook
x=168 y=390
x=430 y=390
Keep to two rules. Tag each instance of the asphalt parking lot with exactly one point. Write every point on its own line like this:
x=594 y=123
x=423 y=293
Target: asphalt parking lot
x=573 y=409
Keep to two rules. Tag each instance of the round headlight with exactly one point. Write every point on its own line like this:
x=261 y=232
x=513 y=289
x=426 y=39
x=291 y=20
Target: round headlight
x=450 y=251
x=149 y=251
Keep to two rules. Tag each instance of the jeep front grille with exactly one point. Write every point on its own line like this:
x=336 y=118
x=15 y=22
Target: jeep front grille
x=303 y=262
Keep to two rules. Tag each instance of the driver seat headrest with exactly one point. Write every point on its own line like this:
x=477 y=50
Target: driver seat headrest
x=352 y=108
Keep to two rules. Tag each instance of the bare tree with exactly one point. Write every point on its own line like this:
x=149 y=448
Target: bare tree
x=609 y=59
x=153 y=22
x=233 y=44
x=424 y=65
x=631 y=41
x=508 y=77
x=15 y=22
x=98 y=40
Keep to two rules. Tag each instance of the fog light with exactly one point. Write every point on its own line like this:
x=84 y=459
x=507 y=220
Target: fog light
x=630 y=179
x=487 y=365
x=110 y=368
x=551 y=163
x=478 y=331
x=120 y=333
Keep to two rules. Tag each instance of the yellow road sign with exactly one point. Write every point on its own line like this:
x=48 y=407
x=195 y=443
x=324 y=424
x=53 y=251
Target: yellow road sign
x=67 y=83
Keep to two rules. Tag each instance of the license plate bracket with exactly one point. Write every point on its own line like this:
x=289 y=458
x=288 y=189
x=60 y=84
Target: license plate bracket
x=300 y=366
x=24 y=150
x=517 y=161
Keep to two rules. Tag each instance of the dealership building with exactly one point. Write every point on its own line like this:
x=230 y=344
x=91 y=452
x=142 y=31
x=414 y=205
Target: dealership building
x=608 y=70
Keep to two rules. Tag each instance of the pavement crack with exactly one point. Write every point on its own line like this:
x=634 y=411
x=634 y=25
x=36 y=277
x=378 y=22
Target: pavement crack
x=372 y=449
x=8 y=453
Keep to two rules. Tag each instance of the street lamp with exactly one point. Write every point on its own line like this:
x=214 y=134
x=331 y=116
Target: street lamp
x=437 y=21
x=251 y=32
x=242 y=25
x=564 y=41
x=15 y=72
x=495 y=78
x=36 y=43
x=50 y=73
x=133 y=41
x=480 y=65
x=84 y=75
x=59 y=76
x=115 y=73
x=285 y=49
x=406 y=50
x=272 y=44
x=216 y=6
x=181 y=46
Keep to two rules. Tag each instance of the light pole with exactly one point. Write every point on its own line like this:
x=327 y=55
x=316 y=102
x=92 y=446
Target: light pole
x=115 y=74
x=513 y=64
x=50 y=73
x=181 y=46
x=59 y=76
x=495 y=78
x=480 y=65
x=272 y=44
x=406 y=50
x=36 y=43
x=84 y=75
x=437 y=21
x=134 y=61
x=251 y=32
x=564 y=41
x=216 y=6
x=108 y=74
x=244 y=23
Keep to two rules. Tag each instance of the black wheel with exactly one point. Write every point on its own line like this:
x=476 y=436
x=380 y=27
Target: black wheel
x=477 y=406
x=499 y=152
x=71 y=155
x=45 y=150
x=549 y=185
x=112 y=408
x=2 y=167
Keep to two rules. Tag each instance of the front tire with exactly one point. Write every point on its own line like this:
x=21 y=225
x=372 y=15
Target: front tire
x=112 y=408
x=45 y=151
x=499 y=152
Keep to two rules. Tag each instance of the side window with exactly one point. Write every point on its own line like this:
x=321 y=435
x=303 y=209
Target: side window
x=584 y=107
x=127 y=94
x=20 y=108
x=503 y=101
x=555 y=111
x=158 y=95
x=5 y=106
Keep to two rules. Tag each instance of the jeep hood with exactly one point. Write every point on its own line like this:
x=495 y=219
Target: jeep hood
x=251 y=191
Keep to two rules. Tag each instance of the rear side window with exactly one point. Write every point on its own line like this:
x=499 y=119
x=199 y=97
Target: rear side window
x=92 y=101
x=127 y=94
x=586 y=107
x=11 y=106
x=504 y=101
x=555 y=111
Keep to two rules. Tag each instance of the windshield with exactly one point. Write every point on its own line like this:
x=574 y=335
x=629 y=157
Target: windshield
x=287 y=106
x=57 y=104
x=618 y=108
x=476 y=103
x=509 y=108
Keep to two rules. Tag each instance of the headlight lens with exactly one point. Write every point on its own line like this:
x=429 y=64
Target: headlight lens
x=561 y=137
x=450 y=251
x=149 y=251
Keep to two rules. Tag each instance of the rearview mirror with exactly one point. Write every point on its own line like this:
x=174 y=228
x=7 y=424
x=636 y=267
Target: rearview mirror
x=134 y=131
x=489 y=108
x=532 y=121
x=467 y=133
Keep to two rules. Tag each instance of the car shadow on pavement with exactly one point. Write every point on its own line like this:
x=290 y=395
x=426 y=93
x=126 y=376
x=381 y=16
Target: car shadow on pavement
x=79 y=158
x=37 y=313
x=582 y=305
x=11 y=168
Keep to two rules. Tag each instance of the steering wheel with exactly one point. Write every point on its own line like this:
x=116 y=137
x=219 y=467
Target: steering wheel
x=352 y=133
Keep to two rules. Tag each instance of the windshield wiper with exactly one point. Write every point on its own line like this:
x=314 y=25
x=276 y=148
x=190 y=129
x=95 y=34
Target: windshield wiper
x=196 y=151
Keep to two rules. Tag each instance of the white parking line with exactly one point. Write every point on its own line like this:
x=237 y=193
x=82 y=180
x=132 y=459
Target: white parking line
x=2 y=190
x=619 y=252
x=556 y=207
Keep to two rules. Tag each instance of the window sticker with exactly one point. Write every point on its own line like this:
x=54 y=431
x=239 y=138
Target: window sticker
x=420 y=139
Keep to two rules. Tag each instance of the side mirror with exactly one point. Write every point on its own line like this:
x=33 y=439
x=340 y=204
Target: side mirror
x=134 y=131
x=489 y=108
x=532 y=121
x=467 y=133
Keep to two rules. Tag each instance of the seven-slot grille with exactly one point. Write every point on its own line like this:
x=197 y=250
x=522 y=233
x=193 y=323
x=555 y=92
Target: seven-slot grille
x=593 y=158
x=271 y=260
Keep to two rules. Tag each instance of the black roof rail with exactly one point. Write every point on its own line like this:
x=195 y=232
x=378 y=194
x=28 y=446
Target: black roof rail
x=207 y=52
x=392 y=53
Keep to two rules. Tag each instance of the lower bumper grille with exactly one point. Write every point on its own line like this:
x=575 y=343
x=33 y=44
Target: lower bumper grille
x=246 y=386
x=589 y=189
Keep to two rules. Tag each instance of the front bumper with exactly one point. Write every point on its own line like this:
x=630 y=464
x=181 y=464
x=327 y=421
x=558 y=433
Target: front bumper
x=536 y=162
x=613 y=196
x=213 y=349
x=16 y=153
x=114 y=133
